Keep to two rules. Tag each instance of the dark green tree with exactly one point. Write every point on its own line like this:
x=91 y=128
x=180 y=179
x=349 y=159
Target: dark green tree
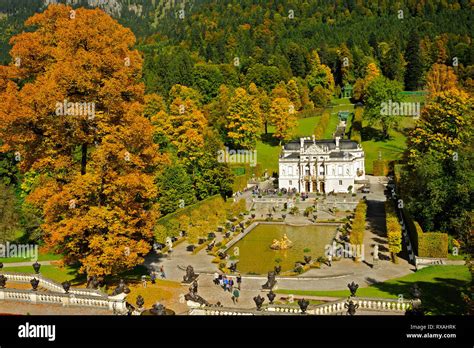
x=175 y=187
x=414 y=68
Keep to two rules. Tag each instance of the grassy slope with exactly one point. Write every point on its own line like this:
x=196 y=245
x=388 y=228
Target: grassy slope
x=268 y=151
x=58 y=274
x=441 y=288
x=41 y=257
x=391 y=149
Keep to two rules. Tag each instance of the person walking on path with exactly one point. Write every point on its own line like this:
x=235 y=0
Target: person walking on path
x=153 y=277
x=162 y=271
x=216 y=278
x=239 y=280
x=235 y=295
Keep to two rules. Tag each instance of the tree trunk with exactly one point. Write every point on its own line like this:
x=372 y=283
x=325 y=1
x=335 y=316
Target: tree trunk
x=266 y=127
x=394 y=257
x=385 y=131
x=83 y=159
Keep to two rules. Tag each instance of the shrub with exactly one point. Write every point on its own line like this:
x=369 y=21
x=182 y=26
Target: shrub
x=294 y=211
x=433 y=244
x=358 y=224
x=322 y=125
x=380 y=168
x=394 y=231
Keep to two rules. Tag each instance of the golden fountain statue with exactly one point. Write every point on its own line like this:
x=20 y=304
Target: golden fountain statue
x=281 y=244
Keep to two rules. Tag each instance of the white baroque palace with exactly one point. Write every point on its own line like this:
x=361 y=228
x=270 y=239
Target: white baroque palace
x=323 y=166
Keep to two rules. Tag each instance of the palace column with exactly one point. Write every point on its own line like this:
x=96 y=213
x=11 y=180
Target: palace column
x=316 y=174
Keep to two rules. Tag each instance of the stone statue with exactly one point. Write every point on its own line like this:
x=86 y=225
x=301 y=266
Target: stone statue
x=194 y=297
x=140 y=301
x=194 y=287
x=376 y=252
x=92 y=282
x=353 y=288
x=281 y=244
x=3 y=281
x=271 y=281
x=303 y=305
x=351 y=307
x=158 y=309
x=233 y=267
x=190 y=275
x=121 y=288
x=259 y=301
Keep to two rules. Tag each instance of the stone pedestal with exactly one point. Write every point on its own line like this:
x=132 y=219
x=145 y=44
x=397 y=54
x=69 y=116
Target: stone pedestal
x=375 y=263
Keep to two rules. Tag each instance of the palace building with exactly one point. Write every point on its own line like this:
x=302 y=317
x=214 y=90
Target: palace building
x=322 y=166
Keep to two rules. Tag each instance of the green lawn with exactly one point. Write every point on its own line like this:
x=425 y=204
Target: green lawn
x=41 y=257
x=441 y=288
x=306 y=126
x=390 y=149
x=269 y=150
x=58 y=274
x=267 y=156
x=61 y=274
x=331 y=128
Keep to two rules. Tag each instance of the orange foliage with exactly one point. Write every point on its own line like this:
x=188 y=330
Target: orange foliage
x=96 y=186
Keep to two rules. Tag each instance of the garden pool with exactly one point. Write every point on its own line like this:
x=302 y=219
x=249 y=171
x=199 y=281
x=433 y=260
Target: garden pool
x=256 y=257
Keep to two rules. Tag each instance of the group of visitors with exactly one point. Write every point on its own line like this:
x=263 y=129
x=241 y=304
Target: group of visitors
x=228 y=284
x=153 y=276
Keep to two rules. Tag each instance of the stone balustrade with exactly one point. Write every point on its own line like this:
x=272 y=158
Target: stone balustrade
x=71 y=299
x=49 y=284
x=330 y=308
x=221 y=311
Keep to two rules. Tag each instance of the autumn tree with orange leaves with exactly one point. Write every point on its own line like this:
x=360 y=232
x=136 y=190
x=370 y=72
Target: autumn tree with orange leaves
x=71 y=104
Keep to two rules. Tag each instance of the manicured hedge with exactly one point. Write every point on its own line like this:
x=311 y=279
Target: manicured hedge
x=198 y=219
x=240 y=181
x=358 y=224
x=413 y=228
x=394 y=230
x=165 y=220
x=433 y=244
x=322 y=125
x=357 y=125
x=426 y=244
x=380 y=168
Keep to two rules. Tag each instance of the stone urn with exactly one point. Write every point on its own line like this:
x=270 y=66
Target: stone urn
x=34 y=284
x=66 y=286
x=36 y=267
x=259 y=301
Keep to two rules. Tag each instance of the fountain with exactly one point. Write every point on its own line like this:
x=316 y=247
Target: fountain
x=282 y=244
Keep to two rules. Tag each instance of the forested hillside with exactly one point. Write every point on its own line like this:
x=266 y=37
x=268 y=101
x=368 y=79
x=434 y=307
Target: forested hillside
x=195 y=77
